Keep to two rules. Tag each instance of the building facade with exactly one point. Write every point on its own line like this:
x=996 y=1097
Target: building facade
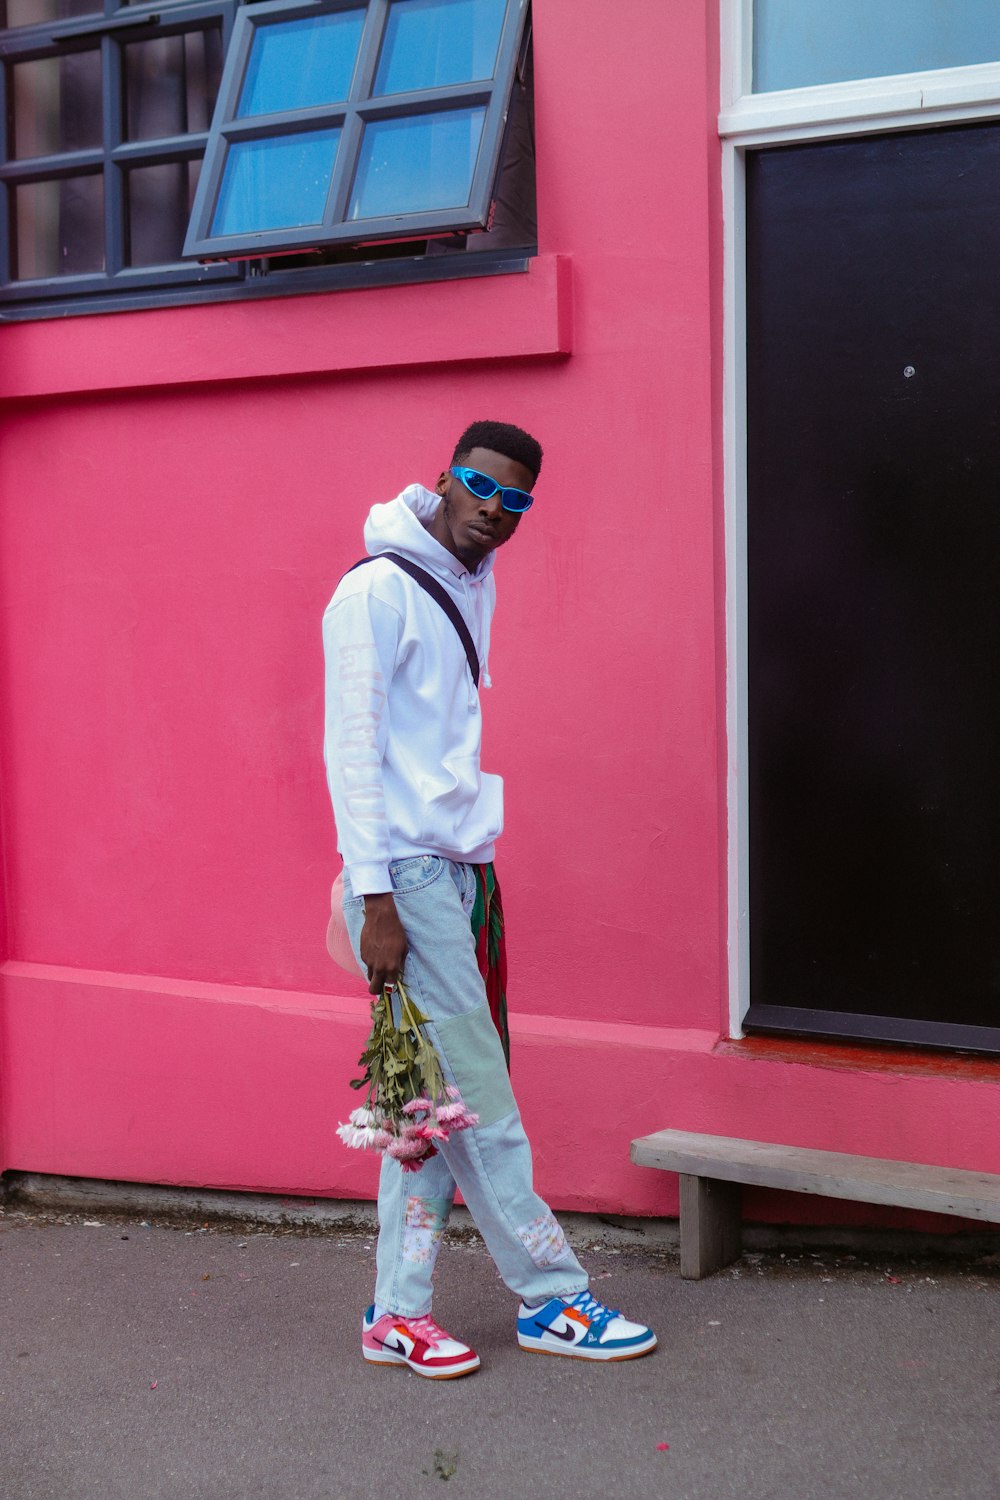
x=745 y=636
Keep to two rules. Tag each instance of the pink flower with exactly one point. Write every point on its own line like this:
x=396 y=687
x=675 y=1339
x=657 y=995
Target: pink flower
x=417 y=1106
x=456 y=1116
x=448 y=1112
x=418 y=1161
x=430 y=1133
x=406 y=1148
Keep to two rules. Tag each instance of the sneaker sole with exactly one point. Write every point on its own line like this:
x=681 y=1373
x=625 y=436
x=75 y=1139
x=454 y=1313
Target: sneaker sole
x=400 y=1361
x=532 y=1346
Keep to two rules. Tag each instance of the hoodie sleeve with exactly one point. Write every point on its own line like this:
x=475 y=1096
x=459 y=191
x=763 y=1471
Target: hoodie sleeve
x=360 y=640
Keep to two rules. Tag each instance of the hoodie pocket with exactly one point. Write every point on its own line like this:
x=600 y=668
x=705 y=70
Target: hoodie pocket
x=462 y=807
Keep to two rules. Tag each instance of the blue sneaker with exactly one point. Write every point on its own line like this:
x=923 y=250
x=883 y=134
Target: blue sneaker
x=583 y=1328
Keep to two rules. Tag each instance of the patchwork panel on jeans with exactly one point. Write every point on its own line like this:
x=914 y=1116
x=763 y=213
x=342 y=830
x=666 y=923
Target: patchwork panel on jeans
x=544 y=1240
x=473 y=1052
x=423 y=1226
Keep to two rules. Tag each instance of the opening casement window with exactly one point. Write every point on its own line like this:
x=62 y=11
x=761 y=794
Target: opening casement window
x=197 y=149
x=861 y=158
x=339 y=123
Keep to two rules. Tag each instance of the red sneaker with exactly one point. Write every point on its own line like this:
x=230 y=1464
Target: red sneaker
x=417 y=1343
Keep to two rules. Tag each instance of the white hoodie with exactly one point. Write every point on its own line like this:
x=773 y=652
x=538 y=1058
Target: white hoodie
x=403 y=722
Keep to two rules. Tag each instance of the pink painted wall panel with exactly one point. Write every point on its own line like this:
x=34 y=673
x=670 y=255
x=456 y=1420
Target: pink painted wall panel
x=166 y=810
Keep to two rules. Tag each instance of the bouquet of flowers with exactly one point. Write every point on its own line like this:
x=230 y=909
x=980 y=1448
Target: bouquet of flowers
x=408 y=1106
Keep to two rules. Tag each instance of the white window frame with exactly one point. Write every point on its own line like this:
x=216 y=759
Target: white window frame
x=867 y=106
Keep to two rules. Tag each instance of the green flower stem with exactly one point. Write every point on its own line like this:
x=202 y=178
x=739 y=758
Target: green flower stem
x=400 y=1062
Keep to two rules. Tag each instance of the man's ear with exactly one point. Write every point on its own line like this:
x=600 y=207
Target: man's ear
x=442 y=483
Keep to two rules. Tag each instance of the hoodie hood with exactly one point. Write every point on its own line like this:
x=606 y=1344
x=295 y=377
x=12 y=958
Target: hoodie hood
x=400 y=525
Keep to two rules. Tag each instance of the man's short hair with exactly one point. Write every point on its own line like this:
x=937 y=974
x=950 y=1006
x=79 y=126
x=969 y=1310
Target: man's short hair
x=501 y=437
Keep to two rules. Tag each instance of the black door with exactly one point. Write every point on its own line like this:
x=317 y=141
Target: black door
x=873 y=347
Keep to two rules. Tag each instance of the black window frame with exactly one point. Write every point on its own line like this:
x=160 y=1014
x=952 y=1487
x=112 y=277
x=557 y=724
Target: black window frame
x=113 y=31
x=351 y=115
x=409 y=259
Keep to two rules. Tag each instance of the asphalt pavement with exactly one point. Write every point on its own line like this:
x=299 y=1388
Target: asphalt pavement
x=167 y=1361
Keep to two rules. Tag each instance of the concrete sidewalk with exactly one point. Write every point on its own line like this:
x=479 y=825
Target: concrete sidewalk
x=142 y=1361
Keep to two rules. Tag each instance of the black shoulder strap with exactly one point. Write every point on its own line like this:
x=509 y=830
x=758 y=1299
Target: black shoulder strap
x=440 y=596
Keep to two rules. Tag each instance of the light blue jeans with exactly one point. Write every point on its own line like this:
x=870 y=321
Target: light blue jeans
x=491 y=1162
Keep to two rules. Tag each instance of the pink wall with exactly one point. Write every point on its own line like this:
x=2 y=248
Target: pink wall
x=182 y=489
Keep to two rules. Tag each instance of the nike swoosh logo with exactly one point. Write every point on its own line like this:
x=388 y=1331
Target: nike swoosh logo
x=394 y=1347
x=567 y=1335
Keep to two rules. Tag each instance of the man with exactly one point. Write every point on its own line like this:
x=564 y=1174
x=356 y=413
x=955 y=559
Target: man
x=416 y=822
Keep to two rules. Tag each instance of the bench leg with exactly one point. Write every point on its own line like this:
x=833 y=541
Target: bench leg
x=711 y=1225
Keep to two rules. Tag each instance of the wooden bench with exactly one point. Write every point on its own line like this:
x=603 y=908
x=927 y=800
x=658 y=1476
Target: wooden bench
x=713 y=1167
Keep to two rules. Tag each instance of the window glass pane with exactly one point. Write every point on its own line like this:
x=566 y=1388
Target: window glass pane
x=60 y=227
x=159 y=206
x=415 y=164
x=298 y=64
x=800 y=42
x=57 y=104
x=171 y=84
x=37 y=12
x=431 y=43
x=277 y=183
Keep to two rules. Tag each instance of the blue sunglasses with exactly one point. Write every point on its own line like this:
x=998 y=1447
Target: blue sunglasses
x=484 y=488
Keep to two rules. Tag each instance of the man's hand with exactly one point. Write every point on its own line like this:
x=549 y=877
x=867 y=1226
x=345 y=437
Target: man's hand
x=383 y=942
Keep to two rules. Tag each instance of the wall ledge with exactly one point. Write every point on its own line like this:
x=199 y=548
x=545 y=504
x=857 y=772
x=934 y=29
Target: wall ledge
x=527 y=316
x=138 y=1078
x=805 y=1052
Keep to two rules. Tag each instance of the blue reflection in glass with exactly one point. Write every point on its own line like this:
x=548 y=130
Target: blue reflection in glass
x=298 y=64
x=417 y=163
x=431 y=43
x=276 y=183
x=800 y=42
